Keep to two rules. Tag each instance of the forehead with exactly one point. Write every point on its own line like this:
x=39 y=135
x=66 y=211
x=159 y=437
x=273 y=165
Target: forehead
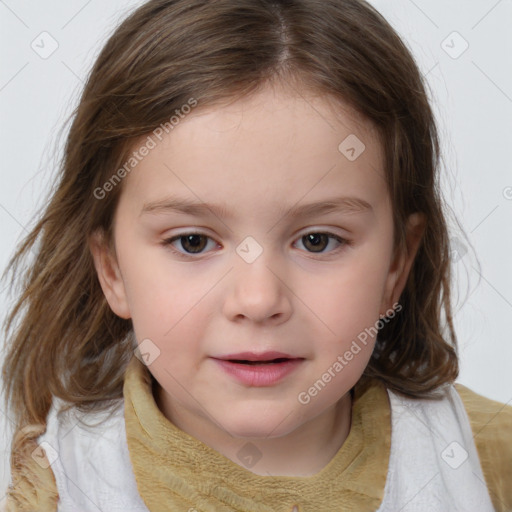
x=271 y=148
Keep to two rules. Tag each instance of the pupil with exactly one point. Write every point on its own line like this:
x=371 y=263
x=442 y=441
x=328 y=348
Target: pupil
x=194 y=241
x=316 y=239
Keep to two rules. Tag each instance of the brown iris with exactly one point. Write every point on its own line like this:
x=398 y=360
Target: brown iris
x=317 y=240
x=193 y=243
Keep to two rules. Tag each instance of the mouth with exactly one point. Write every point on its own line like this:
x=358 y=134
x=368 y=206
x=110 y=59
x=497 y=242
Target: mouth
x=248 y=362
x=255 y=358
x=259 y=370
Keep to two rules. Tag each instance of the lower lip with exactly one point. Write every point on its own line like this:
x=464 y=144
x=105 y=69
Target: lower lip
x=262 y=374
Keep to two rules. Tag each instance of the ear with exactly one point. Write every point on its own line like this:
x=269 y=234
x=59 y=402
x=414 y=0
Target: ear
x=109 y=275
x=402 y=261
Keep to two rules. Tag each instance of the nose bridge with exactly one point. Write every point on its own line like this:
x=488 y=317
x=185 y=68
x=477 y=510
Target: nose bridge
x=257 y=290
x=253 y=270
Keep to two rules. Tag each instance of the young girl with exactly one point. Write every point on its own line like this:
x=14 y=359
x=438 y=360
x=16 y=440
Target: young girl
x=241 y=295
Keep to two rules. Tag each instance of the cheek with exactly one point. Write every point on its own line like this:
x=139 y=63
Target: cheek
x=160 y=291
x=355 y=290
x=169 y=305
x=348 y=304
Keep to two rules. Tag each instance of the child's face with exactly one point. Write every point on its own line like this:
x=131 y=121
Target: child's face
x=257 y=158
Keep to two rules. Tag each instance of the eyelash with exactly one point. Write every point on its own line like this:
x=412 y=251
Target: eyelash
x=188 y=255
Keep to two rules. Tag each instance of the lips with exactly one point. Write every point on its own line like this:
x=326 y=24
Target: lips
x=261 y=370
x=252 y=358
x=243 y=361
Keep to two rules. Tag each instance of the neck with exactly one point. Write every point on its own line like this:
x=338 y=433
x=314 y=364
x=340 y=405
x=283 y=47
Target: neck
x=303 y=452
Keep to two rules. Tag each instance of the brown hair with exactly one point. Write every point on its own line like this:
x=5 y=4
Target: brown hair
x=68 y=342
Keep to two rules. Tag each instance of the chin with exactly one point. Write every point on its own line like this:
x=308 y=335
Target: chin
x=256 y=425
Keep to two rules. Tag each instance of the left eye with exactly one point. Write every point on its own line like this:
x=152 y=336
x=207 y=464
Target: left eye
x=318 y=242
x=195 y=243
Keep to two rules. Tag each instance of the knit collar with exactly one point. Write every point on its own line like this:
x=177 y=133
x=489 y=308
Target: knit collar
x=175 y=471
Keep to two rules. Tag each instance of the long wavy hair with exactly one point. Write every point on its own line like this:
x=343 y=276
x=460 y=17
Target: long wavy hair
x=63 y=339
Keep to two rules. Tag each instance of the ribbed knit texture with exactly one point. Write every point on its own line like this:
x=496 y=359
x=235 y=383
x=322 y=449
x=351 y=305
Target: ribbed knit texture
x=175 y=469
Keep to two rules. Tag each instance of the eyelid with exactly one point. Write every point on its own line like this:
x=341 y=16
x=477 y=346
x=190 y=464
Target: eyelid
x=168 y=243
x=343 y=241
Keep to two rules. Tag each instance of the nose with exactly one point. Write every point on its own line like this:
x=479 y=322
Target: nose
x=258 y=292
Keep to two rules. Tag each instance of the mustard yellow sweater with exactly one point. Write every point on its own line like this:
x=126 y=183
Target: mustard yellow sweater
x=356 y=474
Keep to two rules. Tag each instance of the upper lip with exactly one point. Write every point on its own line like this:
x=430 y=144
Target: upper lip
x=253 y=356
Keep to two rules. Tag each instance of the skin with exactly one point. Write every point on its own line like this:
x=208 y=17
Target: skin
x=259 y=157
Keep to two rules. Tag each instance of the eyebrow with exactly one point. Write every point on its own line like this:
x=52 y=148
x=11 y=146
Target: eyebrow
x=348 y=205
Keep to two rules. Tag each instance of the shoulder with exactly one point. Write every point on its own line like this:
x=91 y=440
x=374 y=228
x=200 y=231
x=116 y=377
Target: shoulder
x=85 y=450
x=32 y=486
x=43 y=466
x=491 y=424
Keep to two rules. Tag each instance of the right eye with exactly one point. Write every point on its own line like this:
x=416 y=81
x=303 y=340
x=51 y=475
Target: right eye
x=191 y=243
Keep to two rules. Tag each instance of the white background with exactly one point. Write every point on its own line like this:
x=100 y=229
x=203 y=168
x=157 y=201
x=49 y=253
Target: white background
x=472 y=96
